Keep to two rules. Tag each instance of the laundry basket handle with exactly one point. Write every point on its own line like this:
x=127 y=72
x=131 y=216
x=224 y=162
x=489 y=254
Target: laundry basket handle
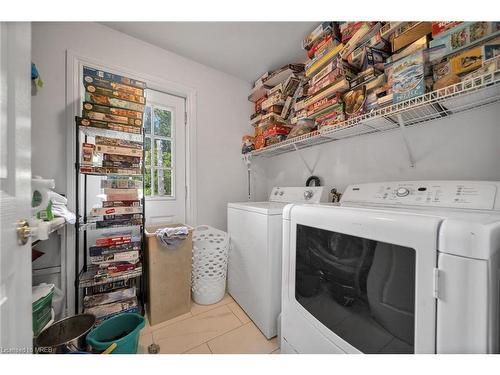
x=201 y=228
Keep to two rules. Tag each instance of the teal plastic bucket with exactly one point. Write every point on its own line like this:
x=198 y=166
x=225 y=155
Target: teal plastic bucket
x=123 y=329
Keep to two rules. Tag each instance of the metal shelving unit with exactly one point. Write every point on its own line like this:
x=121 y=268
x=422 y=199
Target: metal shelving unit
x=85 y=276
x=458 y=98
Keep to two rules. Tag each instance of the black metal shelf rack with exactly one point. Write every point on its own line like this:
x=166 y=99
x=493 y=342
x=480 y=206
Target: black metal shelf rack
x=83 y=224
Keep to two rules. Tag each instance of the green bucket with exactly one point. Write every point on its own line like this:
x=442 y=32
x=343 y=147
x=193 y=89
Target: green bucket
x=123 y=329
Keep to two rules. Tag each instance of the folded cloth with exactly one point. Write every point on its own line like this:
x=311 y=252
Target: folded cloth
x=172 y=237
x=59 y=207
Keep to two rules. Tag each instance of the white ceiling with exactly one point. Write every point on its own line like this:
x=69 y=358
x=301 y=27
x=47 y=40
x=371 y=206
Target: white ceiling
x=242 y=49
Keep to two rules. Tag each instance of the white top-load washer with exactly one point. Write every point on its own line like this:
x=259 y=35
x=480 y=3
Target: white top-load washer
x=254 y=266
x=398 y=267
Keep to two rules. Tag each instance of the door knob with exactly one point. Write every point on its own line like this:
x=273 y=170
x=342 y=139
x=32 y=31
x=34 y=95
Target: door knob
x=23 y=232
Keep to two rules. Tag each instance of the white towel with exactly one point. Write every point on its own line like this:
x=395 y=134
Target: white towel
x=171 y=237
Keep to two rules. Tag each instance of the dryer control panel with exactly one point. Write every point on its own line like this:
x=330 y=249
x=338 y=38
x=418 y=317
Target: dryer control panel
x=480 y=195
x=305 y=194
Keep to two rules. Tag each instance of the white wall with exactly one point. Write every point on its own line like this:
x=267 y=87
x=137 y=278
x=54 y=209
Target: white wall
x=463 y=146
x=222 y=111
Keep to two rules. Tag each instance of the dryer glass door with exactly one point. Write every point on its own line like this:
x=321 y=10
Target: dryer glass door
x=364 y=277
x=363 y=290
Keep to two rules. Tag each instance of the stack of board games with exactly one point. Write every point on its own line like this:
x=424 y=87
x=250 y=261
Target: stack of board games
x=273 y=96
x=110 y=134
x=353 y=68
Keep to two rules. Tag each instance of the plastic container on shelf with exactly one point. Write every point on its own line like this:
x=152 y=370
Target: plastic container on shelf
x=210 y=252
x=42 y=306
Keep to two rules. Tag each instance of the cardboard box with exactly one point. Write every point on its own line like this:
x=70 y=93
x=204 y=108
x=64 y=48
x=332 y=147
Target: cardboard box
x=467 y=61
x=168 y=277
x=442 y=26
x=113 y=102
x=408 y=77
x=410 y=35
x=464 y=35
x=92 y=72
x=107 y=125
x=115 y=94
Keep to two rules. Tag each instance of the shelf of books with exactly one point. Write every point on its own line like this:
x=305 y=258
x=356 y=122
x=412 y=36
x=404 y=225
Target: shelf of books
x=110 y=200
x=467 y=95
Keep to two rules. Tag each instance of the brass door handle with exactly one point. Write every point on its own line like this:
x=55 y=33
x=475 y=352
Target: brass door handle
x=23 y=232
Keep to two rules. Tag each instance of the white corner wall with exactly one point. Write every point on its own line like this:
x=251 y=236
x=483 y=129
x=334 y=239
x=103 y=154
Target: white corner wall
x=222 y=108
x=464 y=146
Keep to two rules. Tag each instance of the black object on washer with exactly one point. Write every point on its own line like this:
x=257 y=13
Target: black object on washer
x=317 y=181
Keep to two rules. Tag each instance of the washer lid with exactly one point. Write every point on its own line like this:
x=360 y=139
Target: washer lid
x=265 y=208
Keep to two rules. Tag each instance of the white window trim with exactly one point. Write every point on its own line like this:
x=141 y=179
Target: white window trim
x=74 y=65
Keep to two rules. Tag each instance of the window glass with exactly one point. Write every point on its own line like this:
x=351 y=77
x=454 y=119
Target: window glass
x=362 y=290
x=162 y=122
x=147 y=120
x=158 y=151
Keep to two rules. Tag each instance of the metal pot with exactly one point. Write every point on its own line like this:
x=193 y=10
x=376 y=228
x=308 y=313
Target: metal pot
x=66 y=335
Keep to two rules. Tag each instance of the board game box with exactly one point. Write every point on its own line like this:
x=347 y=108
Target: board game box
x=96 y=73
x=467 y=61
x=113 y=102
x=111 y=118
x=107 y=125
x=321 y=30
x=101 y=82
x=408 y=77
x=92 y=89
x=104 y=298
x=107 y=141
x=103 y=250
x=110 y=170
x=319 y=61
x=112 y=110
x=121 y=183
x=110 y=309
x=465 y=34
x=124 y=256
x=126 y=151
x=116 y=223
x=442 y=26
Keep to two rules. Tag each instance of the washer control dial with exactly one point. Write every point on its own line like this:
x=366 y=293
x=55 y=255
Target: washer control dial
x=402 y=192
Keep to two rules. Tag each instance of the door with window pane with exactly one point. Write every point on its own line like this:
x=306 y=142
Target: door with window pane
x=165 y=159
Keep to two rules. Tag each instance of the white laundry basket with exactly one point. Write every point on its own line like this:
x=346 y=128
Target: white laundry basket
x=210 y=251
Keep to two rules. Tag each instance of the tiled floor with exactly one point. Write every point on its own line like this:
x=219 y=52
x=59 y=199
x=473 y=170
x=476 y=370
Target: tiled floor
x=222 y=328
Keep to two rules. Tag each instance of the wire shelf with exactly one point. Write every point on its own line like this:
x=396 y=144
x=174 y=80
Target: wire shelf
x=468 y=95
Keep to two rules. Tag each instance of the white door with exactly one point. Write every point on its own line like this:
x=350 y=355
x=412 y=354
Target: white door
x=15 y=186
x=165 y=161
x=363 y=278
